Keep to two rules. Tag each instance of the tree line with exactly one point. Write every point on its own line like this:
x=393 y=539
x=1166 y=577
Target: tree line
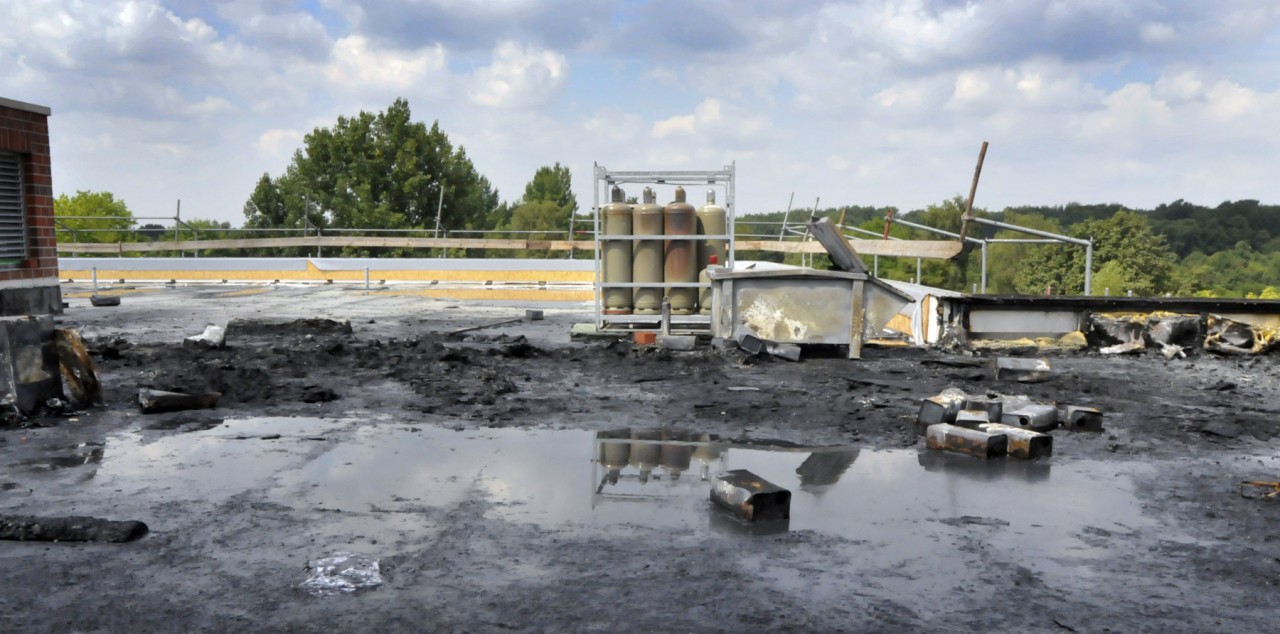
x=385 y=171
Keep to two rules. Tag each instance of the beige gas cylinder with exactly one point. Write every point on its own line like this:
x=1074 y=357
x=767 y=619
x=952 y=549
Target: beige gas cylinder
x=647 y=259
x=615 y=452
x=704 y=293
x=706 y=454
x=681 y=261
x=645 y=456
x=675 y=458
x=616 y=259
x=712 y=221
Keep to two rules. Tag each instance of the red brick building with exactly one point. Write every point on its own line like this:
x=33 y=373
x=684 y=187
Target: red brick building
x=28 y=248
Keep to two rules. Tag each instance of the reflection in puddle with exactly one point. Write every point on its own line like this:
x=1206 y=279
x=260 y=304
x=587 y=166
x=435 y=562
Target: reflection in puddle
x=896 y=502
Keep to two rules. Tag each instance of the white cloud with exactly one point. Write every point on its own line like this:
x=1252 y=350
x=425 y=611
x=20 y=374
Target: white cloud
x=278 y=141
x=680 y=124
x=519 y=76
x=1228 y=100
x=876 y=102
x=1158 y=33
x=355 y=64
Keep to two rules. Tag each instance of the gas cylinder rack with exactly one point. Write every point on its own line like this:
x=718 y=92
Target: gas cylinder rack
x=721 y=181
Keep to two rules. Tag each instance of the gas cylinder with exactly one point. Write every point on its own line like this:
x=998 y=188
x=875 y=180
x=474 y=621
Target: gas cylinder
x=712 y=222
x=681 y=263
x=616 y=259
x=706 y=454
x=645 y=456
x=704 y=293
x=647 y=259
x=675 y=458
x=615 y=451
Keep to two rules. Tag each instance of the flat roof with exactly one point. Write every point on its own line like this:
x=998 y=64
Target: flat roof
x=22 y=105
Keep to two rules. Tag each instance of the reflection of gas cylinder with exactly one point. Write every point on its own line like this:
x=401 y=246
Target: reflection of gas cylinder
x=706 y=454
x=647 y=259
x=614 y=455
x=645 y=456
x=616 y=260
x=681 y=265
x=675 y=458
x=704 y=297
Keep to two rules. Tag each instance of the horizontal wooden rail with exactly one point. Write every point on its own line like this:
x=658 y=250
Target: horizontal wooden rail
x=933 y=249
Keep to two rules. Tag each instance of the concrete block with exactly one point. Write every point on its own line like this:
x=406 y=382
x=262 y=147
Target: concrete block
x=533 y=314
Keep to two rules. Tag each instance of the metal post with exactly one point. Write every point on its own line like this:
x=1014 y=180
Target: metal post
x=366 y=278
x=875 y=266
x=1088 y=267
x=984 y=266
x=177 y=218
x=785 y=215
x=919 y=275
x=95 y=279
x=439 y=209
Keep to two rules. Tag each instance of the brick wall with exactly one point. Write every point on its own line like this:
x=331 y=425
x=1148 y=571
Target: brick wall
x=27 y=133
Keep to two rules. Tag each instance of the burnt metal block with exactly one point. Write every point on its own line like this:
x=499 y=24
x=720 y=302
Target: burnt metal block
x=751 y=344
x=972 y=418
x=29 y=371
x=1035 y=417
x=935 y=410
x=1021 y=370
x=973 y=442
x=786 y=351
x=993 y=406
x=677 y=342
x=1079 y=418
x=159 y=401
x=750 y=497
x=1022 y=443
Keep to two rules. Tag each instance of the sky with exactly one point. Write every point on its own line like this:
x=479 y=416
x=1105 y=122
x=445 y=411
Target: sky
x=883 y=102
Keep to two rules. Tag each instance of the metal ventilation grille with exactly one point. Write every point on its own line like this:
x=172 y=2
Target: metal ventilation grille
x=13 y=225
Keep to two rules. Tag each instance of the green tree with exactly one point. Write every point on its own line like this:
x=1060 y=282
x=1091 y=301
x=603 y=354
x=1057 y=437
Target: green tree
x=545 y=210
x=92 y=217
x=375 y=171
x=1138 y=256
x=1004 y=261
x=552 y=184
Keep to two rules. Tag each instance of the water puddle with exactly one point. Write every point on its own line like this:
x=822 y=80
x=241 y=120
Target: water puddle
x=902 y=507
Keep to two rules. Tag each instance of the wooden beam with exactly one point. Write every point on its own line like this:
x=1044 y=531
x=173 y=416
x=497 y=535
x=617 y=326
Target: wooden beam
x=930 y=249
x=322 y=241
